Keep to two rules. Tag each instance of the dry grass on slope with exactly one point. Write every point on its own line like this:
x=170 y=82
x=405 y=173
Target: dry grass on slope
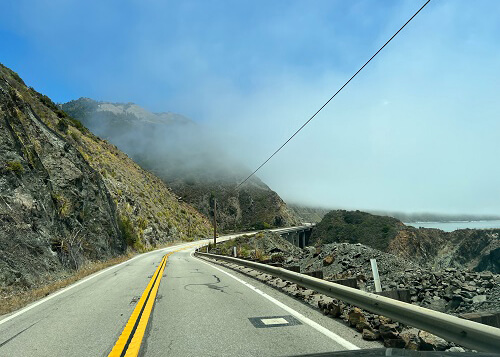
x=145 y=204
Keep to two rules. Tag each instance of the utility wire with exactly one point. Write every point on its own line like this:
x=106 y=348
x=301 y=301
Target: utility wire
x=333 y=96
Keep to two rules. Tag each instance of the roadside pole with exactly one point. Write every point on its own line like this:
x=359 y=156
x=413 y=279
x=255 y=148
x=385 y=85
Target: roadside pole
x=376 y=277
x=215 y=222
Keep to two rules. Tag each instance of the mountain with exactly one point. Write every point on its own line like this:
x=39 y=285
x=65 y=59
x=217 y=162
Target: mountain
x=308 y=214
x=189 y=159
x=68 y=198
x=470 y=248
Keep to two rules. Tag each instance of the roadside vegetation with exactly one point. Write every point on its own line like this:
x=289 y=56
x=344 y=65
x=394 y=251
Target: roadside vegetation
x=14 y=299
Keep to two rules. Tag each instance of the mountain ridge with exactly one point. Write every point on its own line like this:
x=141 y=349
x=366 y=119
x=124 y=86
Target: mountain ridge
x=185 y=156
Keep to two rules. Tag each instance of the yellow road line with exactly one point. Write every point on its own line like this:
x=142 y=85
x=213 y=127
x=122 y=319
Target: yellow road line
x=129 y=342
x=121 y=347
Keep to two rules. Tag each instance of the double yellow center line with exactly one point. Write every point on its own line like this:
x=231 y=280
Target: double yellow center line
x=129 y=342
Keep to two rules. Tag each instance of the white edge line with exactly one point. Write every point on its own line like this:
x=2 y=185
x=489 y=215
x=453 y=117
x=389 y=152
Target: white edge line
x=51 y=296
x=340 y=340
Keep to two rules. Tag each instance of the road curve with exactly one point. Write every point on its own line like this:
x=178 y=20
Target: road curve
x=200 y=310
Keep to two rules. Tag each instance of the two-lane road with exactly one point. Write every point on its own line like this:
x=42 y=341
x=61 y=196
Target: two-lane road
x=200 y=310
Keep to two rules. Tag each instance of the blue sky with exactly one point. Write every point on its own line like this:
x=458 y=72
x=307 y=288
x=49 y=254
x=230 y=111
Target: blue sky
x=418 y=130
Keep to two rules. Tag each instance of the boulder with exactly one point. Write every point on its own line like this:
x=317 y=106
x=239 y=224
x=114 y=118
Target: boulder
x=355 y=317
x=455 y=349
x=438 y=304
x=388 y=331
x=328 y=260
x=363 y=325
x=412 y=341
x=394 y=343
x=317 y=252
x=384 y=320
x=479 y=299
x=430 y=342
x=370 y=335
x=331 y=308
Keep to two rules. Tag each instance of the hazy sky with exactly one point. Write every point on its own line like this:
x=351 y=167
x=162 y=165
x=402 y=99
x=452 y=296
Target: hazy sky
x=417 y=130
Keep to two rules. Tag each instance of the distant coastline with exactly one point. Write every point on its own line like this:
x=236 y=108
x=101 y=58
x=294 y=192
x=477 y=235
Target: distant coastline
x=449 y=226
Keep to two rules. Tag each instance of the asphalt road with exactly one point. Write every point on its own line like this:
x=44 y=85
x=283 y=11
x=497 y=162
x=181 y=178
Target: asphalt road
x=200 y=310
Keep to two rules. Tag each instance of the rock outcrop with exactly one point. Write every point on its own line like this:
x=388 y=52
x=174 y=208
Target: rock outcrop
x=470 y=249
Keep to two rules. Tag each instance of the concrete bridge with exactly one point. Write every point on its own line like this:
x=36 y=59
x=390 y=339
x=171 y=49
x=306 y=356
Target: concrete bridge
x=298 y=236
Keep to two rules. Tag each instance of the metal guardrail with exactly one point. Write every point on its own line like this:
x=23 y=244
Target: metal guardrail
x=463 y=332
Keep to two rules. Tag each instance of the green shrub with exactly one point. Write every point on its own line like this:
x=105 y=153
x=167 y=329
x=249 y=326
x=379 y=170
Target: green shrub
x=62 y=125
x=142 y=223
x=128 y=232
x=14 y=166
x=76 y=136
x=262 y=225
x=62 y=203
x=77 y=124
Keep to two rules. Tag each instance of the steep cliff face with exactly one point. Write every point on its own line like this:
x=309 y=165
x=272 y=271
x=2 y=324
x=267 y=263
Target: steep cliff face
x=183 y=155
x=474 y=249
x=466 y=248
x=55 y=208
x=67 y=197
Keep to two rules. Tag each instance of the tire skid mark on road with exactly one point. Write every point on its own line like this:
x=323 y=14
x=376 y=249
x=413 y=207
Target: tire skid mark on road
x=17 y=334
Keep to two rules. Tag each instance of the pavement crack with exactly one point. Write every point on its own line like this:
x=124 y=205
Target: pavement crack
x=17 y=334
x=169 y=347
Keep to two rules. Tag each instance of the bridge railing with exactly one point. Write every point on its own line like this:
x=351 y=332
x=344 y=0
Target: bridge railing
x=463 y=332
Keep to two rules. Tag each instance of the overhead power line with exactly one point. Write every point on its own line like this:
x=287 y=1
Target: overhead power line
x=333 y=96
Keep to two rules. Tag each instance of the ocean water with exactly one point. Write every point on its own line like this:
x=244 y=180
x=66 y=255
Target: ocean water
x=451 y=226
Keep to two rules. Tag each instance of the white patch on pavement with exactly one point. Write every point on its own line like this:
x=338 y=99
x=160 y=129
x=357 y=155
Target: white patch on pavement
x=278 y=321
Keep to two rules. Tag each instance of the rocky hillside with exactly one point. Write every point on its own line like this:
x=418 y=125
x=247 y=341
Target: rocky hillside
x=68 y=197
x=356 y=227
x=466 y=248
x=184 y=155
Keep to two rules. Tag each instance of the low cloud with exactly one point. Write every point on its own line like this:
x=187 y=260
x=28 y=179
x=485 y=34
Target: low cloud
x=416 y=131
